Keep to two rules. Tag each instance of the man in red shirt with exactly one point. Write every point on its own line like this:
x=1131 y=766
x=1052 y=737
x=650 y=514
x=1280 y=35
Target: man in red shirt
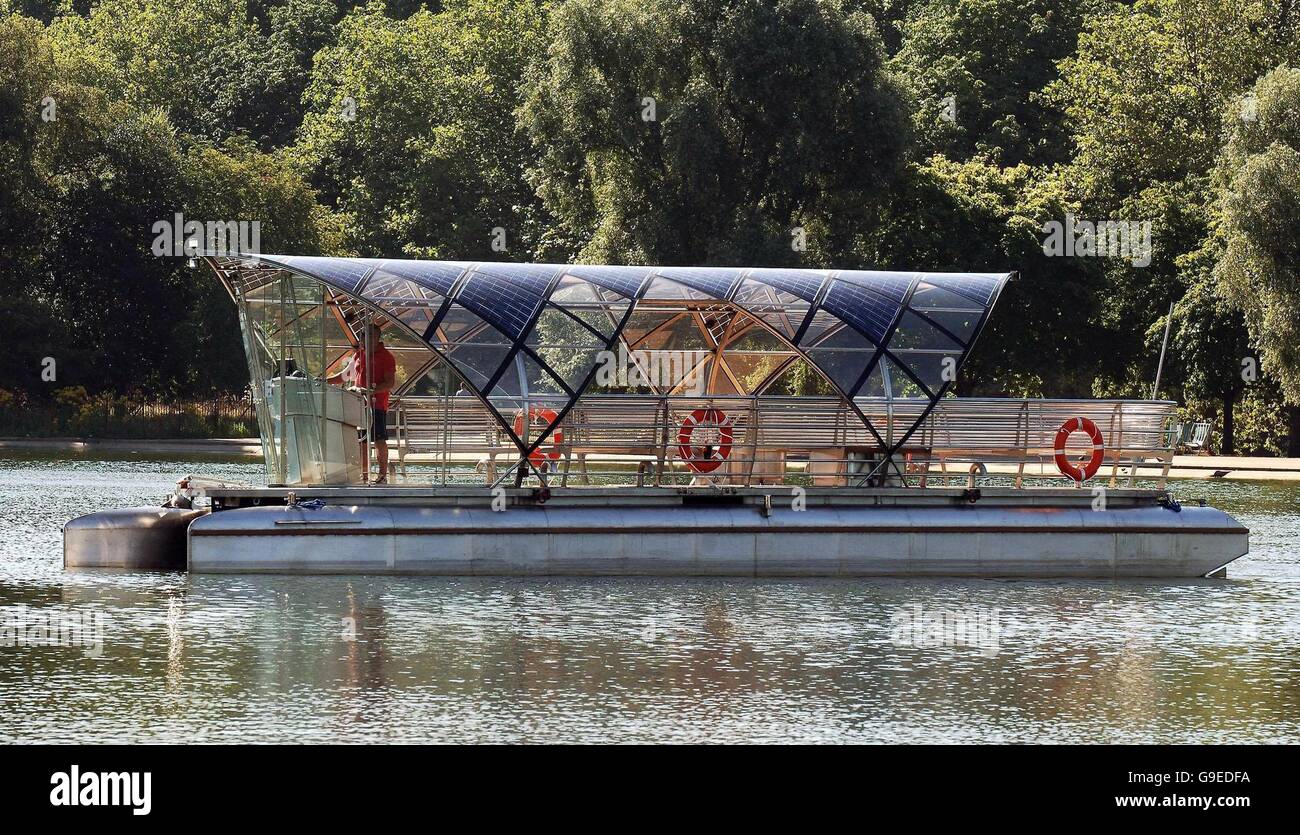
x=380 y=368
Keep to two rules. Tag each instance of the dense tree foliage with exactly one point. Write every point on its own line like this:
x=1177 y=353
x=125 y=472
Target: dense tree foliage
x=908 y=134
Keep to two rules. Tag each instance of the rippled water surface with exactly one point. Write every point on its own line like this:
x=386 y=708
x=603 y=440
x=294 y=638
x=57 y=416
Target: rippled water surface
x=252 y=658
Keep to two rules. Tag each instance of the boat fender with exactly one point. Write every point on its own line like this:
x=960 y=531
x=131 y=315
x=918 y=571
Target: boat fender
x=971 y=495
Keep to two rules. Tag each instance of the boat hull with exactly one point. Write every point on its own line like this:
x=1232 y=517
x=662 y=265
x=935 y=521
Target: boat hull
x=133 y=538
x=726 y=541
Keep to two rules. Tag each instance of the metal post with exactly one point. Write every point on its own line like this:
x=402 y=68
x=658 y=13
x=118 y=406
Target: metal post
x=284 y=429
x=1163 y=345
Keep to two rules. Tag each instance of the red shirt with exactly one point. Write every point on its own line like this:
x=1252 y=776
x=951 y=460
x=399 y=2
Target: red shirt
x=385 y=366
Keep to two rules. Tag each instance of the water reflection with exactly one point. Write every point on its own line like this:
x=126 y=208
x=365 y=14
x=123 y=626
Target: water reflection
x=217 y=658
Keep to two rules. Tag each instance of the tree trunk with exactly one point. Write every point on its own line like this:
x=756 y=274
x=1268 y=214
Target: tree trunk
x=1293 y=432
x=1229 y=398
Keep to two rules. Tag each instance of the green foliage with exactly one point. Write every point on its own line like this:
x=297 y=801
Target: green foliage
x=992 y=57
x=432 y=162
x=703 y=132
x=650 y=131
x=1259 y=266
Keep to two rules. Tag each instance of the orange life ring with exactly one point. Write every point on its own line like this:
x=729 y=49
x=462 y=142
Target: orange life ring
x=706 y=458
x=545 y=417
x=1079 y=424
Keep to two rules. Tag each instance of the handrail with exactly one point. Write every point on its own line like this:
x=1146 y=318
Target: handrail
x=776 y=438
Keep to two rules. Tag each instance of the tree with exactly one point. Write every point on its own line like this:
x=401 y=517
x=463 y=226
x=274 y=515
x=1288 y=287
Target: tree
x=707 y=131
x=1258 y=268
x=1143 y=97
x=411 y=133
x=992 y=57
x=206 y=64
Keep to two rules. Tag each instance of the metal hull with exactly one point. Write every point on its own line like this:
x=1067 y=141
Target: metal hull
x=137 y=538
x=724 y=541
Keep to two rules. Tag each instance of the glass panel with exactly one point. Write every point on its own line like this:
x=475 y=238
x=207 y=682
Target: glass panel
x=624 y=280
x=460 y=326
x=753 y=369
x=961 y=325
x=756 y=338
x=642 y=322
x=556 y=329
x=900 y=385
x=823 y=323
x=842 y=337
x=685 y=373
x=683 y=334
x=661 y=289
x=801 y=284
x=929 y=296
x=844 y=367
x=480 y=362
x=978 y=289
x=801 y=380
x=915 y=332
x=539 y=382
x=712 y=282
x=572 y=365
x=930 y=367
x=438 y=381
x=874 y=385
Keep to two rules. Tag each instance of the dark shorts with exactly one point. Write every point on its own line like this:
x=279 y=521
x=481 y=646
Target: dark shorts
x=378 y=429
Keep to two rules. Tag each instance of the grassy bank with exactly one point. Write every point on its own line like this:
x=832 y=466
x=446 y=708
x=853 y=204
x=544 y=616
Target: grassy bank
x=73 y=412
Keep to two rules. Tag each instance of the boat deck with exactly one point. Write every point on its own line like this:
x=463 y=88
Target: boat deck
x=225 y=498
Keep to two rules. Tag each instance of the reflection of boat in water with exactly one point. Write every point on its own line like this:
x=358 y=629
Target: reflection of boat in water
x=572 y=419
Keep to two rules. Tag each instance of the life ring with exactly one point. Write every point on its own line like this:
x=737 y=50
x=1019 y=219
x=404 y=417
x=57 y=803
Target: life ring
x=708 y=457
x=540 y=415
x=1079 y=424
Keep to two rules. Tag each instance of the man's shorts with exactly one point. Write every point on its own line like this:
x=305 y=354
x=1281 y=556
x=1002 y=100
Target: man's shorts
x=378 y=429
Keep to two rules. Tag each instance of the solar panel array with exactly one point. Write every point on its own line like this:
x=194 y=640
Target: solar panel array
x=869 y=312
x=890 y=285
x=623 y=280
x=801 y=283
x=509 y=296
x=715 y=281
x=438 y=276
x=343 y=273
x=979 y=288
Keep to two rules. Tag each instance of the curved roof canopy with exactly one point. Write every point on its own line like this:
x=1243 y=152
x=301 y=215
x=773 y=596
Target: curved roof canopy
x=524 y=330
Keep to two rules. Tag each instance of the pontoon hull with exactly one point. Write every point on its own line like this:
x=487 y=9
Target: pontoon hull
x=728 y=541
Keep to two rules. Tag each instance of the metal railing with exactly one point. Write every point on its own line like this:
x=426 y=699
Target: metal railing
x=637 y=440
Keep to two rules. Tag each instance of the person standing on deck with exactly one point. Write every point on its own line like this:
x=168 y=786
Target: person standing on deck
x=379 y=367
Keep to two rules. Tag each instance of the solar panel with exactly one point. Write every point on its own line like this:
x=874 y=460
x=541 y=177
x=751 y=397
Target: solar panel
x=978 y=288
x=507 y=295
x=624 y=280
x=343 y=273
x=438 y=276
x=891 y=285
x=801 y=283
x=864 y=309
x=713 y=281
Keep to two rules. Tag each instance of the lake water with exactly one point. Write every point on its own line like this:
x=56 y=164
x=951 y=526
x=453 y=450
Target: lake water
x=173 y=658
